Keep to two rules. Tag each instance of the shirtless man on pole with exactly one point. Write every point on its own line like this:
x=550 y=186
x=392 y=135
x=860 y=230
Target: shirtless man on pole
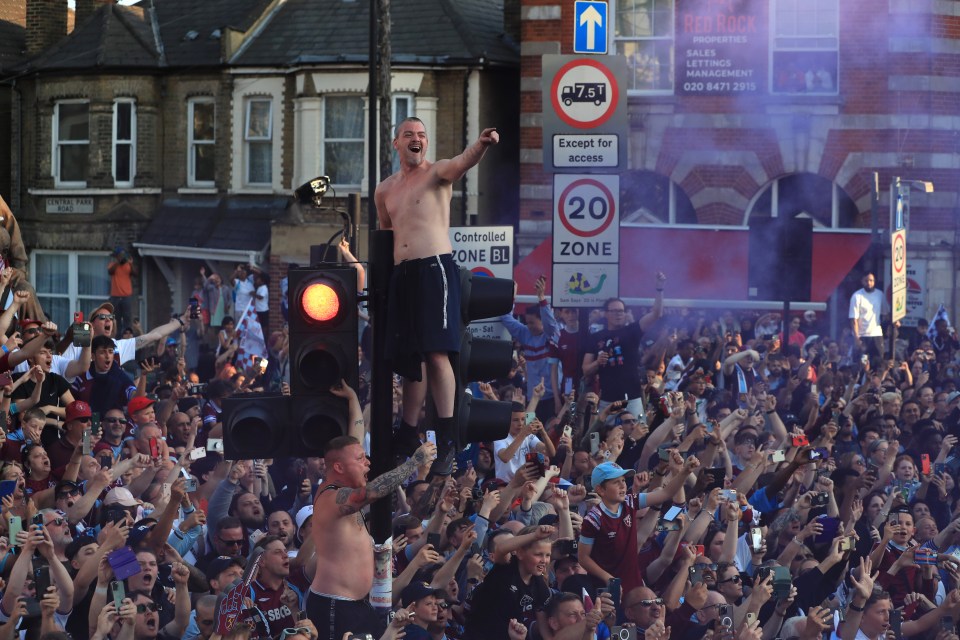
x=424 y=301
x=337 y=600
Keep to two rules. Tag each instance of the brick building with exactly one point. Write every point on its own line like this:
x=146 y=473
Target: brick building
x=179 y=130
x=830 y=92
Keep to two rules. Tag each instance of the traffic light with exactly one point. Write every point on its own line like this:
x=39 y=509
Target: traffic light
x=323 y=350
x=481 y=359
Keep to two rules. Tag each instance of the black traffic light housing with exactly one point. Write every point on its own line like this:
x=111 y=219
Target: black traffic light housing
x=481 y=359
x=323 y=351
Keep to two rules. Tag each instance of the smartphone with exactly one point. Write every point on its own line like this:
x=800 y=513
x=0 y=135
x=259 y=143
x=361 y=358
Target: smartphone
x=800 y=440
x=831 y=526
x=699 y=549
x=756 y=538
x=613 y=588
x=594 y=443
x=190 y=485
x=154 y=448
x=194 y=308
x=118 y=593
x=81 y=333
x=199 y=452
x=14 y=526
x=215 y=445
x=86 y=441
x=37 y=520
x=671 y=514
x=777 y=456
x=751 y=618
x=432 y=437
x=95 y=424
x=729 y=495
x=623 y=633
x=717 y=476
x=947 y=624
x=197 y=389
x=664 y=525
x=896 y=622
x=264 y=363
x=530 y=417
x=925 y=464
x=7 y=487
x=696 y=575
x=568 y=431
x=847 y=544
x=41 y=580
x=433 y=539
x=940 y=468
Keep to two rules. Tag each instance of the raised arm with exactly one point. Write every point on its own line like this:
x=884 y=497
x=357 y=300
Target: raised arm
x=455 y=168
x=352 y=500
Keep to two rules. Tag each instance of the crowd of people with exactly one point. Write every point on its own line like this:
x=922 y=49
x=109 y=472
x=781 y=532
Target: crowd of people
x=669 y=475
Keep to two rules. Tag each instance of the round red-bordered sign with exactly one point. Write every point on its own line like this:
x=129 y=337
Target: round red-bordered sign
x=558 y=81
x=899 y=253
x=611 y=207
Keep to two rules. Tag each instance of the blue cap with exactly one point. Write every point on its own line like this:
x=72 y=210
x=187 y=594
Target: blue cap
x=609 y=471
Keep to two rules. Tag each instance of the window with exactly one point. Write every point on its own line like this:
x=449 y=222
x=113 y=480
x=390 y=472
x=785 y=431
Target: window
x=71 y=148
x=258 y=140
x=806 y=44
x=643 y=33
x=650 y=198
x=343 y=140
x=806 y=195
x=68 y=282
x=124 y=142
x=201 y=138
x=402 y=109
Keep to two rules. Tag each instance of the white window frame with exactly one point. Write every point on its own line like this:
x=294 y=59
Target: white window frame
x=248 y=139
x=131 y=142
x=774 y=49
x=56 y=144
x=614 y=39
x=324 y=140
x=191 y=142
x=395 y=118
x=75 y=301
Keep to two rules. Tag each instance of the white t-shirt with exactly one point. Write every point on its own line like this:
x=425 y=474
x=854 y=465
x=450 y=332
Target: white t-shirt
x=58 y=366
x=262 y=304
x=126 y=351
x=242 y=293
x=865 y=308
x=506 y=470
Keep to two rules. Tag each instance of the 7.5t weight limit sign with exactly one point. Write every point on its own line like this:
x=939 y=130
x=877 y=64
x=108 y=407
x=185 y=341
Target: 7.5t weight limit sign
x=586 y=218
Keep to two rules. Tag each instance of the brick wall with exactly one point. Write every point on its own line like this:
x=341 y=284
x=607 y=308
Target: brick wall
x=46 y=24
x=899 y=81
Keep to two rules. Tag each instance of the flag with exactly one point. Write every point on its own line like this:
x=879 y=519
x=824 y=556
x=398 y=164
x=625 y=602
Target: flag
x=252 y=342
x=231 y=604
x=940 y=315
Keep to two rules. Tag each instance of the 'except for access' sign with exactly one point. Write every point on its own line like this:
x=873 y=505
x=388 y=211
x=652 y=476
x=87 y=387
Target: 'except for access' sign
x=584 y=102
x=585 y=150
x=586 y=218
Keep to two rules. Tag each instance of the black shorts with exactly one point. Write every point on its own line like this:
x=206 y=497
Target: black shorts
x=423 y=312
x=333 y=617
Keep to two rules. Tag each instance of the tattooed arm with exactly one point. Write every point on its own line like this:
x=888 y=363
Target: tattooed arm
x=351 y=500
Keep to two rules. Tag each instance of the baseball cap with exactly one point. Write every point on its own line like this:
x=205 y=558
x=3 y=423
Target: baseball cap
x=953 y=396
x=78 y=543
x=140 y=531
x=609 y=471
x=138 y=404
x=29 y=322
x=221 y=563
x=106 y=306
x=77 y=409
x=66 y=485
x=303 y=514
x=417 y=591
x=120 y=496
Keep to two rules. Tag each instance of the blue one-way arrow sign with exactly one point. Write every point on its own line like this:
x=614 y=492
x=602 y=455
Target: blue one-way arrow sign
x=590 y=27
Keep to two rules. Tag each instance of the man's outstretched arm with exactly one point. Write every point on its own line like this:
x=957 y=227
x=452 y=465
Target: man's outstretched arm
x=455 y=168
x=349 y=501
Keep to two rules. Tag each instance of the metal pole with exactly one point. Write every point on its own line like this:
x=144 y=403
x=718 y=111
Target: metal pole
x=381 y=382
x=373 y=173
x=353 y=210
x=875 y=224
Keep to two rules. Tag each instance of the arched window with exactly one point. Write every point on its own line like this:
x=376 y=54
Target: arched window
x=805 y=195
x=647 y=197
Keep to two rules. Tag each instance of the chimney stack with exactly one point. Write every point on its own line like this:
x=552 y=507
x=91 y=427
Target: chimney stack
x=46 y=24
x=86 y=8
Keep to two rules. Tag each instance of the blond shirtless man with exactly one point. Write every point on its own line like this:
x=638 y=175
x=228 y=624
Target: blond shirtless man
x=424 y=303
x=344 y=549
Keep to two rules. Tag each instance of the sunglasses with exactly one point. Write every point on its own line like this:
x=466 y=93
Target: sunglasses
x=150 y=606
x=294 y=631
x=735 y=580
x=104 y=316
x=111 y=420
x=56 y=522
x=66 y=493
x=235 y=543
x=651 y=602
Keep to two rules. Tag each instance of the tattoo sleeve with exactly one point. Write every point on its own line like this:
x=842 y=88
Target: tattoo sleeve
x=352 y=500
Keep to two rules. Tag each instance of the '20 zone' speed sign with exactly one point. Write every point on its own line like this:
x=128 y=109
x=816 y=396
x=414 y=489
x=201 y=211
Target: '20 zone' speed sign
x=586 y=213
